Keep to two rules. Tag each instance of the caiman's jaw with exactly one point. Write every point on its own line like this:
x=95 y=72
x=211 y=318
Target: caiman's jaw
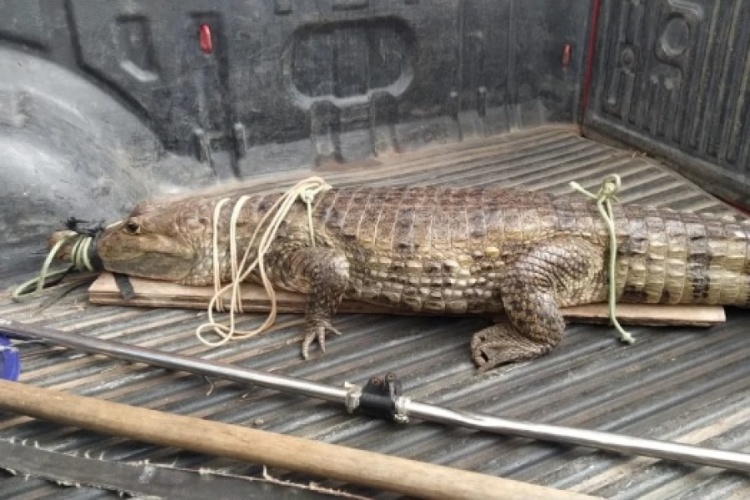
x=137 y=248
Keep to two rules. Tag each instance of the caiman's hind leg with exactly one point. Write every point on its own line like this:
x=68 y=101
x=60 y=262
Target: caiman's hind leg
x=555 y=273
x=322 y=274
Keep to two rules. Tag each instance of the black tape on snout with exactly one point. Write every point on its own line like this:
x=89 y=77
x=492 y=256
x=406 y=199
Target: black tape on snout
x=94 y=259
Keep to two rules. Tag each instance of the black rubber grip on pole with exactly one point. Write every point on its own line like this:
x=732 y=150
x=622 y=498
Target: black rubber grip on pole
x=379 y=396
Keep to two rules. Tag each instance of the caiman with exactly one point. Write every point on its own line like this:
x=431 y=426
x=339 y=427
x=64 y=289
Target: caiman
x=451 y=250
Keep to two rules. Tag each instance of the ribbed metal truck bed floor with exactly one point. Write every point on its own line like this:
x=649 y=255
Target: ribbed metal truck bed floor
x=685 y=385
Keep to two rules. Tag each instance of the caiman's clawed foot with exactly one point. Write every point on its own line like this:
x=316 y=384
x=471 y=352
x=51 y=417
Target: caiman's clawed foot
x=322 y=273
x=533 y=287
x=502 y=343
x=317 y=331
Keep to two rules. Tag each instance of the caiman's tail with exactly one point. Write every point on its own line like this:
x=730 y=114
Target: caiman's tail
x=684 y=258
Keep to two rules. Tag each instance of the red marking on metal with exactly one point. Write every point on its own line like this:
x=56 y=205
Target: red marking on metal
x=205 y=39
x=566 y=56
x=590 y=50
x=740 y=208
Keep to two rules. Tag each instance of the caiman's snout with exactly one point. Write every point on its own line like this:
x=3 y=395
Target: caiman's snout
x=133 y=248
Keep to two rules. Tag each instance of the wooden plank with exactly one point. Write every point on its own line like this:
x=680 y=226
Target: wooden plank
x=648 y=314
x=149 y=293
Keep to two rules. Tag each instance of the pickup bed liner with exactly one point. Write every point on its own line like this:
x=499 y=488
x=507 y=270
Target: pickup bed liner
x=685 y=385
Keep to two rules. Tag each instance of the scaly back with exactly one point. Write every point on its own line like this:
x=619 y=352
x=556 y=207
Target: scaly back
x=664 y=256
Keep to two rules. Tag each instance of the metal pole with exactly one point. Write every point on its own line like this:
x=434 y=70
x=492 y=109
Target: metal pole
x=591 y=439
x=173 y=361
x=472 y=420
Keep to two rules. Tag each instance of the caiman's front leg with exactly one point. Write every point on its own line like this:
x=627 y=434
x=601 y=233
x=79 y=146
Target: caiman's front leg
x=321 y=273
x=555 y=273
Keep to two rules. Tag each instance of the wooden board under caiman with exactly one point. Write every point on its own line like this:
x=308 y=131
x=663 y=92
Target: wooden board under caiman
x=449 y=250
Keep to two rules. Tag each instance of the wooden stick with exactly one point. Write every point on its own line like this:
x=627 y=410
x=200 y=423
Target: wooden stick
x=242 y=443
x=148 y=293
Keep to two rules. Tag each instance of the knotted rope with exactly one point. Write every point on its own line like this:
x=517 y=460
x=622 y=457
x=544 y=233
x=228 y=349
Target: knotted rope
x=607 y=192
x=306 y=191
x=79 y=258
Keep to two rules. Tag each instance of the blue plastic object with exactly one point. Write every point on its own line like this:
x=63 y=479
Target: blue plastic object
x=10 y=363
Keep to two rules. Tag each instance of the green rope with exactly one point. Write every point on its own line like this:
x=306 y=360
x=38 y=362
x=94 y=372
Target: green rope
x=605 y=195
x=80 y=262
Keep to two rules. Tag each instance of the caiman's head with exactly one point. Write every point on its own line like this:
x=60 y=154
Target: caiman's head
x=155 y=242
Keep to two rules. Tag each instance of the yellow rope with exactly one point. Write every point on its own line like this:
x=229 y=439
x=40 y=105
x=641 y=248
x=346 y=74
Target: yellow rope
x=605 y=195
x=78 y=256
x=305 y=190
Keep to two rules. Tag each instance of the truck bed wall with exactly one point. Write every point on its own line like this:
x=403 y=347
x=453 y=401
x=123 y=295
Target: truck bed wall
x=671 y=79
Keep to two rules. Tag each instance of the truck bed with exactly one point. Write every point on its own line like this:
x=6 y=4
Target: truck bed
x=687 y=385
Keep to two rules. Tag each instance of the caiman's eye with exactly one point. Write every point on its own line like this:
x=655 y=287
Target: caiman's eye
x=131 y=227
